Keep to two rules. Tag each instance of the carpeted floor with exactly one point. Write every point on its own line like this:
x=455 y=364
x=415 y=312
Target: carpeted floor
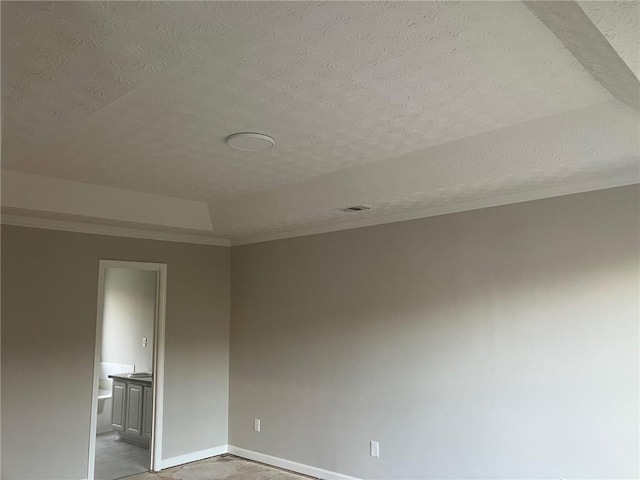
x=117 y=459
x=224 y=467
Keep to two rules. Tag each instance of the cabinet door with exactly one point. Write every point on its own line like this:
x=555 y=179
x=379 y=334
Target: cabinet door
x=134 y=409
x=147 y=412
x=118 y=409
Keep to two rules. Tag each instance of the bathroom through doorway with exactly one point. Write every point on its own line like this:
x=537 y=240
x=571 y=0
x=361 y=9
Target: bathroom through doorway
x=125 y=436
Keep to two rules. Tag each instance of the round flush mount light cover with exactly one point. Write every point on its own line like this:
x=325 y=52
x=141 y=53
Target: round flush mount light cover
x=250 y=142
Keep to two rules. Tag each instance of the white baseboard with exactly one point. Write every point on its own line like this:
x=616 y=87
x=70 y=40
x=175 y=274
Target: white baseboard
x=191 y=457
x=256 y=456
x=288 y=464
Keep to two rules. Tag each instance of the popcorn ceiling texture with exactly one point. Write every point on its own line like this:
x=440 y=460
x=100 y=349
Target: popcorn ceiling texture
x=577 y=32
x=619 y=22
x=142 y=95
x=583 y=145
x=63 y=61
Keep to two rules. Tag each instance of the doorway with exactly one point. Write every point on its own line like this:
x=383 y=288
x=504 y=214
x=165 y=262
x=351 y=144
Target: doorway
x=126 y=410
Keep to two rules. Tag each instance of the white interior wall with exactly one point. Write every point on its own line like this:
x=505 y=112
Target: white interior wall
x=128 y=317
x=488 y=344
x=49 y=306
x=493 y=344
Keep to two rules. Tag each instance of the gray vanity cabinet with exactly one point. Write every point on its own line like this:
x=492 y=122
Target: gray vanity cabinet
x=147 y=421
x=132 y=409
x=118 y=407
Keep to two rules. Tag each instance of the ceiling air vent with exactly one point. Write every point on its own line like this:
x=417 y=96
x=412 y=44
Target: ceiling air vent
x=355 y=208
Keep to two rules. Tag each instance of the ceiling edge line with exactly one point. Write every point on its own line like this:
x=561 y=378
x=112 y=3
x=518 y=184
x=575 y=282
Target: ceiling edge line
x=488 y=202
x=109 y=230
x=591 y=48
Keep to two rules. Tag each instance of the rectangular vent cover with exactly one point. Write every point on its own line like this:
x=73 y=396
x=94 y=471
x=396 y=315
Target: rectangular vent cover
x=355 y=208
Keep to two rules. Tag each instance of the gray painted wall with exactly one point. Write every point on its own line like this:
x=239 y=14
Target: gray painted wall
x=498 y=343
x=488 y=344
x=49 y=302
x=129 y=316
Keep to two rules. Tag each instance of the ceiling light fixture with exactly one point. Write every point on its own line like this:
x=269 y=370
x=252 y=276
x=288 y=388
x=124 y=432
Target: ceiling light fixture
x=250 y=142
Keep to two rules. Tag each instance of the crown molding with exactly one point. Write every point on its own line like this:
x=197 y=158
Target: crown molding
x=519 y=197
x=111 y=230
x=525 y=196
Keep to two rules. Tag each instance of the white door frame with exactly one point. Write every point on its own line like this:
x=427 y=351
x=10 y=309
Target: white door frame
x=158 y=359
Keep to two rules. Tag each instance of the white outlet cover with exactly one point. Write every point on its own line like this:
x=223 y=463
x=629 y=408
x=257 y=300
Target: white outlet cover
x=256 y=424
x=375 y=449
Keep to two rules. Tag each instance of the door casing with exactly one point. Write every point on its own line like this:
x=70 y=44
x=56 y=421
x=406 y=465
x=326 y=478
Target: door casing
x=158 y=359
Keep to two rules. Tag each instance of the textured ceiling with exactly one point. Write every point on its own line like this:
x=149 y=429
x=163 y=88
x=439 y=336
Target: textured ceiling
x=141 y=96
x=337 y=84
x=619 y=22
x=582 y=146
x=63 y=61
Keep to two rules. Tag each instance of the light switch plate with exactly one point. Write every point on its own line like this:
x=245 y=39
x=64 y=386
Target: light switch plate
x=256 y=424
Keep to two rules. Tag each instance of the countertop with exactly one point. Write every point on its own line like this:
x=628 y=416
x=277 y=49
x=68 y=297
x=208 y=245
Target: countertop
x=148 y=380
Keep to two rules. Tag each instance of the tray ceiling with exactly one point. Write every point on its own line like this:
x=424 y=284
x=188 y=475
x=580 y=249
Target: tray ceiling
x=140 y=96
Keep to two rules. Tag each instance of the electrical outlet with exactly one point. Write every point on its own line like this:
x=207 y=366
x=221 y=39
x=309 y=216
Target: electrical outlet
x=256 y=424
x=144 y=342
x=375 y=449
